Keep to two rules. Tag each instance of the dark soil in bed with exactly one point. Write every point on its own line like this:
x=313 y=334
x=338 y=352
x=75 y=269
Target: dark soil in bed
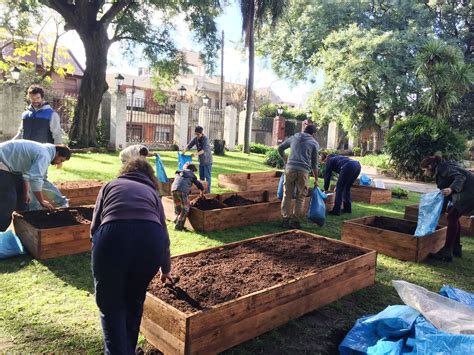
x=207 y=204
x=220 y=275
x=80 y=184
x=393 y=226
x=59 y=218
x=236 y=200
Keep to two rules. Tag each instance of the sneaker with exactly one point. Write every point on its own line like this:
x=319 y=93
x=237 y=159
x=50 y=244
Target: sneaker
x=346 y=211
x=285 y=223
x=457 y=251
x=445 y=254
x=179 y=226
x=295 y=224
x=333 y=213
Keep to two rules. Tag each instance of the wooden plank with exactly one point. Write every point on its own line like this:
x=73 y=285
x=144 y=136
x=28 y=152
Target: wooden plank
x=467 y=222
x=430 y=244
x=27 y=233
x=67 y=248
x=65 y=234
x=160 y=338
x=369 y=194
x=267 y=180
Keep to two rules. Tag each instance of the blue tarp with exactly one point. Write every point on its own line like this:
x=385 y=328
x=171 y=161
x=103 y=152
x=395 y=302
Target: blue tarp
x=429 y=211
x=183 y=159
x=10 y=245
x=364 y=180
x=160 y=170
x=403 y=330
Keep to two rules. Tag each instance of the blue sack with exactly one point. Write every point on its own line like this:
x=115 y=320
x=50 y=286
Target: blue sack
x=52 y=194
x=458 y=295
x=10 y=245
x=280 y=188
x=160 y=170
x=317 y=208
x=429 y=211
x=364 y=180
x=183 y=159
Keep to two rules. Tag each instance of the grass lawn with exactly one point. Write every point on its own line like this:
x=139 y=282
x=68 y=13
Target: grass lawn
x=48 y=306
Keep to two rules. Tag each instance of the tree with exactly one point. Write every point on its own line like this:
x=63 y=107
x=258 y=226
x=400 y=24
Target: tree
x=253 y=15
x=445 y=75
x=141 y=27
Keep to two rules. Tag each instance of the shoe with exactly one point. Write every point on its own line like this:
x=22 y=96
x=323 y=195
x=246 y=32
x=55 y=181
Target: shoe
x=295 y=225
x=457 y=251
x=179 y=226
x=346 y=211
x=333 y=213
x=445 y=254
x=285 y=223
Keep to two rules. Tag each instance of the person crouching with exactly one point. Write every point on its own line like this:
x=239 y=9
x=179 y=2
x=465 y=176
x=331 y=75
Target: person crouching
x=183 y=181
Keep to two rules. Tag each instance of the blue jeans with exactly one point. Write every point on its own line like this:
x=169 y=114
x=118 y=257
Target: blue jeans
x=349 y=173
x=205 y=172
x=126 y=255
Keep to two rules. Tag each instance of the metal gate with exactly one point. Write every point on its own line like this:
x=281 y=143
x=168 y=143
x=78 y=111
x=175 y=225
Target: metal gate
x=215 y=127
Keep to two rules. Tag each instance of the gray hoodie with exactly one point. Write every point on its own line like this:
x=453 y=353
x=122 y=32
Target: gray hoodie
x=304 y=152
x=184 y=180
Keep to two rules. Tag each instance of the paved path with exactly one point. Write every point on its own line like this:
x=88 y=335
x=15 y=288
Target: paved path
x=392 y=182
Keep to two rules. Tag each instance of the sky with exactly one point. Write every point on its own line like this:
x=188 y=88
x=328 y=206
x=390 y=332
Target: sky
x=235 y=60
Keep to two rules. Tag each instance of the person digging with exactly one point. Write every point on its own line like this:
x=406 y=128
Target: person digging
x=303 y=159
x=180 y=190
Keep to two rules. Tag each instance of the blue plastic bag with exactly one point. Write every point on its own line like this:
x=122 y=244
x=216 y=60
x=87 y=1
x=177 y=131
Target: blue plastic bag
x=429 y=211
x=52 y=194
x=183 y=159
x=10 y=245
x=364 y=180
x=160 y=170
x=280 y=188
x=317 y=208
x=458 y=295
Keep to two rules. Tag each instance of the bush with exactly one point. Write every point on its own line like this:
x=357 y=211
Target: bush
x=418 y=136
x=255 y=148
x=381 y=161
x=356 y=151
x=273 y=159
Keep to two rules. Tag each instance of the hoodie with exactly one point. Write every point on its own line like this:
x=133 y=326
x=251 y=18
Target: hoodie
x=304 y=152
x=184 y=180
x=42 y=125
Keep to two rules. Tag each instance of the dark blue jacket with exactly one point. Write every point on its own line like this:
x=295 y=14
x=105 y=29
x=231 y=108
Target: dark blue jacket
x=41 y=125
x=334 y=163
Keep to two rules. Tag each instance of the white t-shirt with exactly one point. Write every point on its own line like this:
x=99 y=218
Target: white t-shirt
x=132 y=152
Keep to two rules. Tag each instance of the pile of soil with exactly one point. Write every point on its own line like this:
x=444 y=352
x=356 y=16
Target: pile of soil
x=59 y=218
x=388 y=224
x=79 y=184
x=207 y=204
x=236 y=200
x=216 y=276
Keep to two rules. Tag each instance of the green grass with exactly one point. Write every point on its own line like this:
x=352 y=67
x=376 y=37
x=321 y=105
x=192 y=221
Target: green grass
x=381 y=161
x=48 y=306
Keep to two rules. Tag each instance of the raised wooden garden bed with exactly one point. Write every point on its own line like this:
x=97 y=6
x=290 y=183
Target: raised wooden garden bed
x=48 y=234
x=266 y=208
x=81 y=192
x=229 y=294
x=467 y=222
x=251 y=181
x=369 y=194
x=393 y=237
x=165 y=187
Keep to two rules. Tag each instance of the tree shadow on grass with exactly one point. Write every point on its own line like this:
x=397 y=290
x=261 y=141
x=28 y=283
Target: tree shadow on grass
x=74 y=270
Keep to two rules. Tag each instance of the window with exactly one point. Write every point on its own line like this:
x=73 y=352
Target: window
x=138 y=98
x=134 y=133
x=163 y=134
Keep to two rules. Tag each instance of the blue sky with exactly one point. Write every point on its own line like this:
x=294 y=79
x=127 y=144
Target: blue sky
x=235 y=65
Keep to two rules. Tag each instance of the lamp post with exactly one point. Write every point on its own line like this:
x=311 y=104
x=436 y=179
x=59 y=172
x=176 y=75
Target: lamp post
x=205 y=100
x=280 y=110
x=15 y=73
x=119 y=81
x=182 y=92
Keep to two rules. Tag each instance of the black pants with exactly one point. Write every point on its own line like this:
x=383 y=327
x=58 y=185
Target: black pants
x=349 y=173
x=126 y=255
x=11 y=197
x=453 y=233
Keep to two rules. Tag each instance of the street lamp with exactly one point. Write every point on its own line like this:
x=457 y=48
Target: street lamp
x=15 y=72
x=309 y=114
x=280 y=110
x=205 y=100
x=119 y=81
x=182 y=92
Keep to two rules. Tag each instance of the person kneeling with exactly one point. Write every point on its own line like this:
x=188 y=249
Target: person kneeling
x=183 y=181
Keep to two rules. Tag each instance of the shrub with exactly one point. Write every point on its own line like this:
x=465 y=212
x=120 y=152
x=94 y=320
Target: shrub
x=418 y=136
x=381 y=161
x=273 y=159
x=256 y=148
x=356 y=151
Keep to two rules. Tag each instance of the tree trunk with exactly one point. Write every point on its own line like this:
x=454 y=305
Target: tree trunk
x=250 y=83
x=94 y=85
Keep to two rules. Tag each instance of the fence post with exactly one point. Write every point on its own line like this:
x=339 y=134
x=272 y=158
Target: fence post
x=242 y=116
x=11 y=108
x=205 y=119
x=118 y=120
x=230 y=126
x=181 y=118
x=105 y=115
x=333 y=135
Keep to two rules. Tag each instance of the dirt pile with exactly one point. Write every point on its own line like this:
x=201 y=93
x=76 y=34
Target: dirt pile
x=59 y=218
x=223 y=274
x=80 y=184
x=236 y=200
x=384 y=223
x=207 y=204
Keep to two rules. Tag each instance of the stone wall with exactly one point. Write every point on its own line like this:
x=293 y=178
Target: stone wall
x=12 y=105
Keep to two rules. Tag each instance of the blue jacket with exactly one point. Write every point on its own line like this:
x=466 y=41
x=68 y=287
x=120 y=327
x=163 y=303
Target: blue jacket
x=304 y=152
x=42 y=125
x=334 y=163
x=31 y=159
